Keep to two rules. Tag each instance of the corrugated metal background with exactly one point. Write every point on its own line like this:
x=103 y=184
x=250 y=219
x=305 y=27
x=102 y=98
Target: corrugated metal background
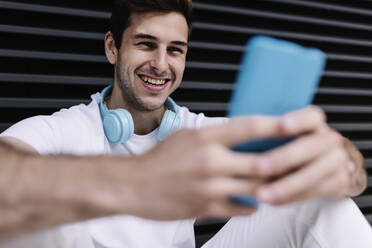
x=51 y=56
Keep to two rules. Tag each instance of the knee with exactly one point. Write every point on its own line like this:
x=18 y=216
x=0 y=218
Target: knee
x=340 y=211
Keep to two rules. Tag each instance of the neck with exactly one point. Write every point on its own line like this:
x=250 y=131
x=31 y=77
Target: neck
x=144 y=121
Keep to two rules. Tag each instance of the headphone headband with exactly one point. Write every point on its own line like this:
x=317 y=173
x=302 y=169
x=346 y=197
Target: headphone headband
x=102 y=108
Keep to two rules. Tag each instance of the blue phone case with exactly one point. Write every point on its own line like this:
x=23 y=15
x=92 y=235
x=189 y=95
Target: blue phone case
x=276 y=76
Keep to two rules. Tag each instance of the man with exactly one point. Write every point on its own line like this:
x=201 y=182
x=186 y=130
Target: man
x=147 y=45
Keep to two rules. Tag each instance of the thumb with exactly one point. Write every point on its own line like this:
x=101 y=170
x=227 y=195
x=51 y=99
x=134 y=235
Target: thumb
x=240 y=129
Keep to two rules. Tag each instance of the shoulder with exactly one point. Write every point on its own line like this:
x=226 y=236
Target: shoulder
x=61 y=131
x=80 y=116
x=193 y=120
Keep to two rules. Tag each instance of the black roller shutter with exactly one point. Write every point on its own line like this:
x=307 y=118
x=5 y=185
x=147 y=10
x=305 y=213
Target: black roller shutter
x=51 y=55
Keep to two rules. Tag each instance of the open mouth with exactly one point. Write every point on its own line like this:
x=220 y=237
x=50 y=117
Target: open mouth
x=153 y=81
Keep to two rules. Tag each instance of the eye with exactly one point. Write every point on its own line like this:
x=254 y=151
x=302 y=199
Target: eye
x=175 y=50
x=147 y=44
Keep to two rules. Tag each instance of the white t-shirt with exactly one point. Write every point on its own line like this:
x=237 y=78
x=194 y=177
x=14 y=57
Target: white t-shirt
x=78 y=130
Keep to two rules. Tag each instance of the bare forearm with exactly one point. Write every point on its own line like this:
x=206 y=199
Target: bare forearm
x=190 y=174
x=38 y=192
x=358 y=171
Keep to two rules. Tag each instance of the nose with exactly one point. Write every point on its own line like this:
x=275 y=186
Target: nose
x=159 y=61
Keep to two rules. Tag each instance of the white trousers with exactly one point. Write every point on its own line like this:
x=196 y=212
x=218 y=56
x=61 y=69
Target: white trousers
x=317 y=223
x=313 y=224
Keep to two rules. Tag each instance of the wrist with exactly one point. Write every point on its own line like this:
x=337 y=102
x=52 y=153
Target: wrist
x=110 y=186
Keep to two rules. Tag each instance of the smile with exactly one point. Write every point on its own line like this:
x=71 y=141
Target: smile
x=153 y=81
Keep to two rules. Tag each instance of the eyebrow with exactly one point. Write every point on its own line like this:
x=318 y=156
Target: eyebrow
x=150 y=37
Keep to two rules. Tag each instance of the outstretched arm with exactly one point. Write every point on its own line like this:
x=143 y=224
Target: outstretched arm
x=190 y=174
x=42 y=191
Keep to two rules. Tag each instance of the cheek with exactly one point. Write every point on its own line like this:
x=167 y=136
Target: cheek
x=133 y=59
x=124 y=69
x=179 y=66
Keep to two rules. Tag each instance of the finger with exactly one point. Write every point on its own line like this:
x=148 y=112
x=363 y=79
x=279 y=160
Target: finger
x=221 y=161
x=242 y=129
x=222 y=187
x=303 y=183
x=303 y=120
x=297 y=153
x=335 y=185
x=253 y=127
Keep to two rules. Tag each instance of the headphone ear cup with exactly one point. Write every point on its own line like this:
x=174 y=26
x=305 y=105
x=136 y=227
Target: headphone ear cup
x=169 y=123
x=118 y=125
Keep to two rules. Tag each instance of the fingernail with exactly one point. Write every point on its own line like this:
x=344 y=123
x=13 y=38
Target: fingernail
x=266 y=195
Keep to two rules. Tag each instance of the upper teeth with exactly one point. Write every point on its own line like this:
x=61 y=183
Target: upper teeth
x=153 y=81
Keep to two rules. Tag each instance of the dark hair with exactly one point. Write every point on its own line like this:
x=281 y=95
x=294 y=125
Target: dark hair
x=122 y=10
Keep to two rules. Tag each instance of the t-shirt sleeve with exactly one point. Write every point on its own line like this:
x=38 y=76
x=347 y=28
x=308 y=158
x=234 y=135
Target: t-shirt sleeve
x=196 y=121
x=203 y=121
x=75 y=131
x=40 y=132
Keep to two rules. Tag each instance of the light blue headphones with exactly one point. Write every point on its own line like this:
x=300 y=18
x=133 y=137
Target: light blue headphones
x=118 y=123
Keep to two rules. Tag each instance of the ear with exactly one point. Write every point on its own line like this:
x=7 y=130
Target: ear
x=110 y=48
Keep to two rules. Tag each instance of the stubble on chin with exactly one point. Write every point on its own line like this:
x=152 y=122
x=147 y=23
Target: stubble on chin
x=131 y=99
x=127 y=89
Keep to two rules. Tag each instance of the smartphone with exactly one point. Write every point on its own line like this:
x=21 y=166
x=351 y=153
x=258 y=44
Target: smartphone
x=276 y=76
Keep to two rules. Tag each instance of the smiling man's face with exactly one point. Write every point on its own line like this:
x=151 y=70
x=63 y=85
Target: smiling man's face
x=151 y=59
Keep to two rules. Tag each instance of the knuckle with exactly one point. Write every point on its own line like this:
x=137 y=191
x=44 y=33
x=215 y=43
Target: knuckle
x=255 y=123
x=344 y=178
x=200 y=137
x=252 y=186
x=259 y=168
x=207 y=161
x=338 y=153
x=281 y=161
x=342 y=160
x=290 y=155
x=319 y=112
x=205 y=169
x=334 y=137
x=204 y=192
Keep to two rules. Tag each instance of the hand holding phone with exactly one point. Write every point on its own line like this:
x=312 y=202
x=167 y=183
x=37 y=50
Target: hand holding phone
x=275 y=77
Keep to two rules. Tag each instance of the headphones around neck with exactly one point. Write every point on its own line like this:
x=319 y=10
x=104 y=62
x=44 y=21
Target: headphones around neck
x=118 y=123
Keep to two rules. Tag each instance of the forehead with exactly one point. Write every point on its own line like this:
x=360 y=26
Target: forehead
x=164 y=26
